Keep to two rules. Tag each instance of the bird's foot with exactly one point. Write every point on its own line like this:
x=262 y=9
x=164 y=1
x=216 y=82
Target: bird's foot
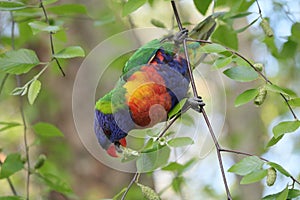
x=180 y=36
x=196 y=103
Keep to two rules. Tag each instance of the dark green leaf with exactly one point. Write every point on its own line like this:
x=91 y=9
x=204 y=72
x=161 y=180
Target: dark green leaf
x=226 y=36
x=241 y=73
x=70 y=52
x=295 y=102
x=68 y=9
x=247 y=165
x=11 y=165
x=222 y=62
x=279 y=168
x=158 y=23
x=153 y=160
x=202 y=5
x=247 y=26
x=293 y=193
x=8 y=125
x=254 y=176
x=274 y=141
x=180 y=141
x=38 y=26
x=131 y=6
x=47 y=130
x=245 y=97
x=11 y=5
x=18 y=61
x=283 y=194
x=33 y=91
x=285 y=127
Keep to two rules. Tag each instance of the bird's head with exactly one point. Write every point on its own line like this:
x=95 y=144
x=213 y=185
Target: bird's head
x=103 y=135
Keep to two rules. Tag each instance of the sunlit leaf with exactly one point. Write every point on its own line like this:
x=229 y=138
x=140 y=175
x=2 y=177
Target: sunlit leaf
x=34 y=90
x=11 y=5
x=177 y=108
x=274 y=141
x=56 y=183
x=295 y=102
x=241 y=73
x=131 y=6
x=38 y=26
x=8 y=125
x=279 y=168
x=254 y=176
x=18 y=61
x=12 y=198
x=150 y=161
x=180 y=141
x=70 y=52
x=222 y=62
x=213 y=48
x=245 y=97
x=47 y=130
x=247 y=165
x=285 y=127
x=68 y=9
x=226 y=36
x=11 y=165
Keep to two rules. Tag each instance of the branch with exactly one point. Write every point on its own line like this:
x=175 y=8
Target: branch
x=51 y=38
x=253 y=67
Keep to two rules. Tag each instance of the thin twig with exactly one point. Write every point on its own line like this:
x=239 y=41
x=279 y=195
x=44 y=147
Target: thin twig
x=51 y=38
x=134 y=179
x=11 y=185
x=253 y=67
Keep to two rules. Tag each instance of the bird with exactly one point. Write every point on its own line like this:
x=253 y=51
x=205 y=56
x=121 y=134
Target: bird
x=153 y=81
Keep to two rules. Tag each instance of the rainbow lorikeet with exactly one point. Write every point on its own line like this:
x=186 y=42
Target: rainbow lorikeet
x=153 y=81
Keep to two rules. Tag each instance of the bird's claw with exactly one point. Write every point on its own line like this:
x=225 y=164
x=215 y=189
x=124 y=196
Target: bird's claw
x=196 y=103
x=180 y=36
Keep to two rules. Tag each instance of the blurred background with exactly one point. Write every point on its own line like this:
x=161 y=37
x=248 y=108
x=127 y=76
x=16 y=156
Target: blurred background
x=247 y=128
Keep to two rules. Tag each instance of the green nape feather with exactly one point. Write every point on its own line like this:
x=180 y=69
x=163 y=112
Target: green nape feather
x=112 y=101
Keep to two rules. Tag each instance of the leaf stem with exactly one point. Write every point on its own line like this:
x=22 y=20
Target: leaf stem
x=51 y=38
x=133 y=180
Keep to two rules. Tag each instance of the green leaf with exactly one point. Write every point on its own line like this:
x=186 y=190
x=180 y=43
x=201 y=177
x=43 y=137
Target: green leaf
x=293 y=193
x=33 y=91
x=283 y=194
x=11 y=165
x=254 y=176
x=180 y=141
x=245 y=97
x=295 y=102
x=38 y=26
x=70 y=52
x=226 y=36
x=18 y=61
x=173 y=166
x=202 y=5
x=274 y=141
x=47 y=130
x=222 y=62
x=150 y=161
x=68 y=9
x=158 y=23
x=12 y=198
x=285 y=127
x=279 y=168
x=116 y=197
x=56 y=183
x=48 y=2
x=213 y=48
x=8 y=125
x=131 y=6
x=11 y=5
x=241 y=73
x=277 y=89
x=247 y=165
x=177 y=108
